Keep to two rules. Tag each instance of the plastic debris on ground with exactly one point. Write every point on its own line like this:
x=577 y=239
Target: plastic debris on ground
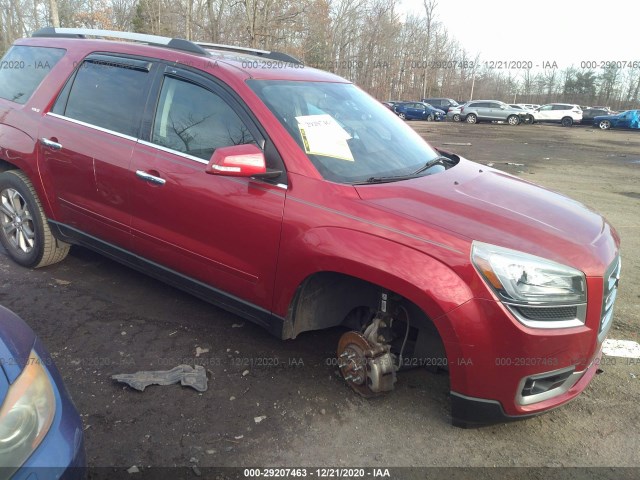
x=187 y=375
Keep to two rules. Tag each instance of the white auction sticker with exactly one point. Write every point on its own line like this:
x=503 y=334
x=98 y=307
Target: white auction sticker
x=322 y=135
x=621 y=348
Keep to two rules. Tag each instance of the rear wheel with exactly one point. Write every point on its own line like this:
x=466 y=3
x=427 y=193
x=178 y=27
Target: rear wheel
x=513 y=120
x=24 y=231
x=604 y=124
x=456 y=117
x=528 y=119
x=472 y=118
x=567 y=121
x=402 y=116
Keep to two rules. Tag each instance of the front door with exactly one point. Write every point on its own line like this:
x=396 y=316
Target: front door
x=221 y=231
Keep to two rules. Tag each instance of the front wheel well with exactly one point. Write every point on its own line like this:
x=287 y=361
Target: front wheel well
x=4 y=166
x=330 y=299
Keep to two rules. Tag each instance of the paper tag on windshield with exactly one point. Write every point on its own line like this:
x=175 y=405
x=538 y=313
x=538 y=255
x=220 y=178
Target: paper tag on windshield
x=322 y=135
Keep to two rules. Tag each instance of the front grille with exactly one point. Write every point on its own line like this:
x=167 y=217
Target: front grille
x=548 y=313
x=610 y=291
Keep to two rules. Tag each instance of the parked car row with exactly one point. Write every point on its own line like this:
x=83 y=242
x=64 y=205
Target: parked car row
x=565 y=114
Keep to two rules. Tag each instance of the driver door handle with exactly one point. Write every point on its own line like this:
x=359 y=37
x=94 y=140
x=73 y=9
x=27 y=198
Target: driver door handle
x=51 y=144
x=150 y=178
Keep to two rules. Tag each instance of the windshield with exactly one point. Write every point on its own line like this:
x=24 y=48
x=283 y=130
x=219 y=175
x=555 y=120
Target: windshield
x=349 y=136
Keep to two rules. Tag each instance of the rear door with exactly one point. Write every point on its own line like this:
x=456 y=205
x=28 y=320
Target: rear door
x=560 y=111
x=222 y=231
x=86 y=143
x=483 y=110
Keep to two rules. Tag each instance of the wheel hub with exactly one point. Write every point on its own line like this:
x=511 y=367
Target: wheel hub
x=367 y=367
x=15 y=220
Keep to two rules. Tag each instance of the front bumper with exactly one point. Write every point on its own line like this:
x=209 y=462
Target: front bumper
x=470 y=412
x=496 y=362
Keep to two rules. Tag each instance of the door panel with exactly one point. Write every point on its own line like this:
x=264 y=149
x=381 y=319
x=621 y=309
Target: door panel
x=223 y=231
x=88 y=177
x=86 y=143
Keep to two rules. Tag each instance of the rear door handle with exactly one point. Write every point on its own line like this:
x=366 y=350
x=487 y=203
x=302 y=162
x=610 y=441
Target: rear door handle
x=150 y=178
x=51 y=144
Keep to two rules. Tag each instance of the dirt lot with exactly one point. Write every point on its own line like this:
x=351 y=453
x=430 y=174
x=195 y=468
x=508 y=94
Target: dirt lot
x=99 y=318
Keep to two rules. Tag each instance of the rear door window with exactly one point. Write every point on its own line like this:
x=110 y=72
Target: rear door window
x=108 y=92
x=23 y=68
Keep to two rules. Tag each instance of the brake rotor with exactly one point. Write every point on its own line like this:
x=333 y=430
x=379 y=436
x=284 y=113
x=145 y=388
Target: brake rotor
x=353 y=350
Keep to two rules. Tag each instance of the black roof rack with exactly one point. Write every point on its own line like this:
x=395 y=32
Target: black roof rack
x=156 y=40
x=271 y=55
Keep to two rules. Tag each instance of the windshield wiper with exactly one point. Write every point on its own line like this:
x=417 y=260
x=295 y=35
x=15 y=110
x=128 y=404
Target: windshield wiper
x=396 y=178
x=436 y=161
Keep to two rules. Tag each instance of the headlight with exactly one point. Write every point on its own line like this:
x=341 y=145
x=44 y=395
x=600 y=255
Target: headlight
x=26 y=414
x=540 y=292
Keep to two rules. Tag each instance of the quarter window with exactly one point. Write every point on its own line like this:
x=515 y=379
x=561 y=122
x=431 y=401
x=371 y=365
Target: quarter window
x=196 y=121
x=107 y=95
x=23 y=68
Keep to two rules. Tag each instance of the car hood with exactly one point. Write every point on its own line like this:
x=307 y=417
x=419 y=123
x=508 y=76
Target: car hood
x=488 y=205
x=16 y=342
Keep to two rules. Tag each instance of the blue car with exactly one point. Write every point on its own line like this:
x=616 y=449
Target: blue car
x=41 y=435
x=628 y=119
x=418 y=111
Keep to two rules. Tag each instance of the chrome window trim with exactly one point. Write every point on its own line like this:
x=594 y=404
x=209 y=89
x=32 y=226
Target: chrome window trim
x=92 y=126
x=200 y=160
x=173 y=152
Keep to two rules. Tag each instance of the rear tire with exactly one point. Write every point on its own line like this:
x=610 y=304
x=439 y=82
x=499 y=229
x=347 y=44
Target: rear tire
x=24 y=231
x=567 y=121
x=456 y=117
x=471 y=118
x=402 y=116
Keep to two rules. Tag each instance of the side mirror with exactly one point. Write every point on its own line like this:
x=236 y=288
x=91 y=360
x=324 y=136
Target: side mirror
x=237 y=161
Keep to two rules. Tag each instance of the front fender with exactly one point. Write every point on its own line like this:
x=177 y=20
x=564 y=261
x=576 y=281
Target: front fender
x=418 y=277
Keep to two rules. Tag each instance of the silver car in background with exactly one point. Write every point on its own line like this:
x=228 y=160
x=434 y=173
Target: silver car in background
x=491 y=111
x=454 y=113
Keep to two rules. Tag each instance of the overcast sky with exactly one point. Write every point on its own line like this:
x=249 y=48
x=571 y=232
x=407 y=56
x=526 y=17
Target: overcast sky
x=565 y=31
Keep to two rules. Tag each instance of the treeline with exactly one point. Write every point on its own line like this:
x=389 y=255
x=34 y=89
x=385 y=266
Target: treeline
x=366 y=41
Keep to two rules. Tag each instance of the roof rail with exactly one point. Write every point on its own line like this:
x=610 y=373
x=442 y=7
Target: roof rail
x=279 y=56
x=174 y=43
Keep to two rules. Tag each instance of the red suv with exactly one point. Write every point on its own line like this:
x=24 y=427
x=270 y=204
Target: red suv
x=290 y=197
